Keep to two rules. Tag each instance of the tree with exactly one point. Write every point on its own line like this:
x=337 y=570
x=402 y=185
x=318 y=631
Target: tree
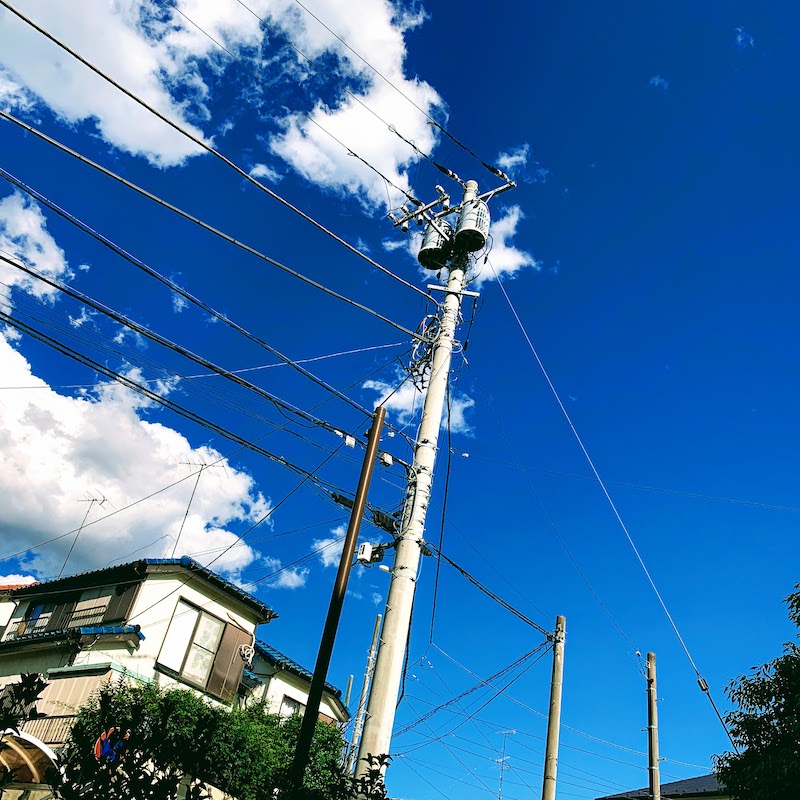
x=140 y=742
x=766 y=727
x=18 y=705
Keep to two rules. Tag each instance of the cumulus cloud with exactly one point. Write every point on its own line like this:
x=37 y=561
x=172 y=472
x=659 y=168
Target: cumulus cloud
x=658 y=82
x=173 y=64
x=330 y=549
x=505 y=260
x=285 y=577
x=514 y=158
x=155 y=67
x=406 y=402
x=24 y=236
x=57 y=448
x=265 y=171
x=16 y=580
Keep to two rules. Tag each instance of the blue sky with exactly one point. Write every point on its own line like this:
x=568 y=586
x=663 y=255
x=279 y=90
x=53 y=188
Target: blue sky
x=649 y=251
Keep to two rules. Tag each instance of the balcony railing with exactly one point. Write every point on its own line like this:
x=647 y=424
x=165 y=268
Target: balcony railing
x=75 y=619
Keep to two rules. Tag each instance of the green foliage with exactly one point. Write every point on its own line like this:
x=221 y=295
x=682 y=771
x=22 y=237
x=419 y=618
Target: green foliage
x=766 y=727
x=174 y=733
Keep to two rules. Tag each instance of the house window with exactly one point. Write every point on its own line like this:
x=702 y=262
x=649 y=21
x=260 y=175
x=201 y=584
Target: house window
x=204 y=651
x=290 y=706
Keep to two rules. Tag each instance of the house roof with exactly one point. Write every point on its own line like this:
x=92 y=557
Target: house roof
x=282 y=661
x=702 y=786
x=134 y=571
x=75 y=634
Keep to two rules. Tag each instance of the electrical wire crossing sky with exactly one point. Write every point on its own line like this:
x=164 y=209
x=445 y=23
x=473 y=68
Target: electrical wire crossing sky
x=203 y=297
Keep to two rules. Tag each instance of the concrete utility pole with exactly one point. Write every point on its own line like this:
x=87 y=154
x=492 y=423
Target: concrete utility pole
x=377 y=735
x=337 y=601
x=358 y=723
x=652 y=729
x=554 y=713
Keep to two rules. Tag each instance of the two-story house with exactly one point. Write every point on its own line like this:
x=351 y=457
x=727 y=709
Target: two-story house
x=166 y=620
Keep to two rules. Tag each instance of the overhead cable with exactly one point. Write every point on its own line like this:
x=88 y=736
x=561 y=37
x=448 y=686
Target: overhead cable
x=483 y=683
x=240 y=537
x=147 y=333
x=145 y=391
x=163 y=488
x=547 y=516
x=701 y=681
x=209 y=149
x=309 y=117
x=172 y=285
x=494 y=170
x=489 y=593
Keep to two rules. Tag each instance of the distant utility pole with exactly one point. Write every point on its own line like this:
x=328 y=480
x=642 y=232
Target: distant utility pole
x=358 y=722
x=554 y=713
x=441 y=244
x=502 y=764
x=652 y=729
x=311 y=714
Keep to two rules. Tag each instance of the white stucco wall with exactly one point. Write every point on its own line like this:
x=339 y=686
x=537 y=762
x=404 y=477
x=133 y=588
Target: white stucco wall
x=280 y=684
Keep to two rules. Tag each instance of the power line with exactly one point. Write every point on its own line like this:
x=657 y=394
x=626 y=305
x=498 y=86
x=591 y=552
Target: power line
x=142 y=330
x=482 y=683
x=240 y=538
x=489 y=593
x=310 y=118
x=212 y=395
x=209 y=149
x=546 y=515
x=565 y=727
x=182 y=292
x=701 y=681
x=144 y=391
x=544 y=647
x=173 y=484
x=494 y=170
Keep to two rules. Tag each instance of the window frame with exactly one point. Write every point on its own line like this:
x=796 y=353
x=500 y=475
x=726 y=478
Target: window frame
x=216 y=653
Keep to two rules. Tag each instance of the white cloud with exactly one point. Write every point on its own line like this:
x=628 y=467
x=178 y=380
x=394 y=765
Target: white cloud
x=659 y=83
x=505 y=260
x=285 y=577
x=406 y=402
x=330 y=549
x=174 y=66
x=156 y=62
x=24 y=236
x=377 y=598
x=314 y=154
x=82 y=318
x=179 y=303
x=57 y=448
x=265 y=171
x=13 y=97
x=515 y=157
x=16 y=580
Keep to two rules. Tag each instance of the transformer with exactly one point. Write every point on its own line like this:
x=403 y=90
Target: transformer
x=436 y=249
x=473 y=226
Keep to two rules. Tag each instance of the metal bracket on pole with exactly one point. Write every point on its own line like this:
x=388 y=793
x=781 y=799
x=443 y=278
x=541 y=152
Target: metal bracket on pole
x=434 y=287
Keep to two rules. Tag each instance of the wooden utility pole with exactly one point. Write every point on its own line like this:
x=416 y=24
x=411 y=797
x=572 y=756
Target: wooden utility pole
x=337 y=601
x=554 y=713
x=652 y=729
